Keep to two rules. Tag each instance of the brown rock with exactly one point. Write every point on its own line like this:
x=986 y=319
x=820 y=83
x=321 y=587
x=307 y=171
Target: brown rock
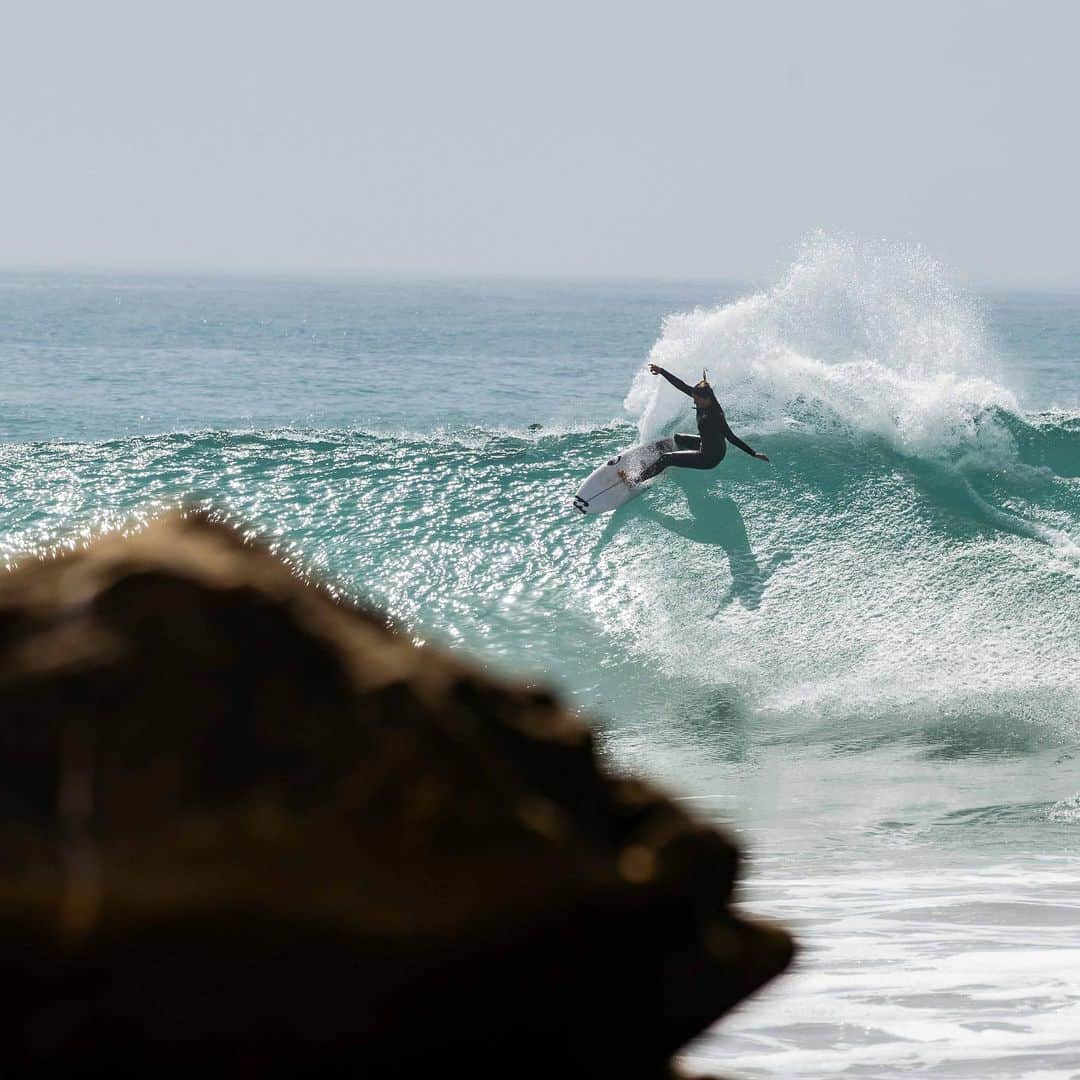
x=248 y=830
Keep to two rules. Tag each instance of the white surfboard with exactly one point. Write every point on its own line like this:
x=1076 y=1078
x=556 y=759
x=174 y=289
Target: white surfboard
x=605 y=489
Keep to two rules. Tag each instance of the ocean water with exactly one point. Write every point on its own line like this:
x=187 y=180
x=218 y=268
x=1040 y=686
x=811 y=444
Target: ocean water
x=862 y=658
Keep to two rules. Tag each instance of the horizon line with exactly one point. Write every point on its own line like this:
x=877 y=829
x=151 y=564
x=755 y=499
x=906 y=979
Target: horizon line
x=303 y=273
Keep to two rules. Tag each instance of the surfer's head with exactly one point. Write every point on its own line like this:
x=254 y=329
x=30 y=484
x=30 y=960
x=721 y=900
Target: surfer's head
x=704 y=398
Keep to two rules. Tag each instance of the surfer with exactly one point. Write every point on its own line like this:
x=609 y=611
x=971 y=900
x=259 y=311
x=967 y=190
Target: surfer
x=706 y=449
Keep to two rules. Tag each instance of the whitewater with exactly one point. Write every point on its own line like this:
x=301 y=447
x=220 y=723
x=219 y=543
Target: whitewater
x=863 y=659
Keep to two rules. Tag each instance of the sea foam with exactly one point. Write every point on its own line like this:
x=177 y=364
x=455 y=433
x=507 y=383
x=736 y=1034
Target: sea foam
x=865 y=338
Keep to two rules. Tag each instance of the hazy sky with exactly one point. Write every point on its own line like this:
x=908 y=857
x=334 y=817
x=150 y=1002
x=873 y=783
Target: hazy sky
x=663 y=140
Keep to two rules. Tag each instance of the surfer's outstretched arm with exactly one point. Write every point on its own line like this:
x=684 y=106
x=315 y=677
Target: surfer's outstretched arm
x=675 y=381
x=736 y=441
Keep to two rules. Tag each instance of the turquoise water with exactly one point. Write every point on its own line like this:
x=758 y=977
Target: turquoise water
x=862 y=657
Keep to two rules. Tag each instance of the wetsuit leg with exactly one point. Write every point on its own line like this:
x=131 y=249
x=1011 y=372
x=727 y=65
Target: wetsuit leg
x=690 y=459
x=682 y=459
x=687 y=442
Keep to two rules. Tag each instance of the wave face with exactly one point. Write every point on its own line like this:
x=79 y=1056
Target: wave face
x=847 y=581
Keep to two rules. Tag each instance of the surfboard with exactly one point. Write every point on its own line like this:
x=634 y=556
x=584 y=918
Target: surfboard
x=604 y=490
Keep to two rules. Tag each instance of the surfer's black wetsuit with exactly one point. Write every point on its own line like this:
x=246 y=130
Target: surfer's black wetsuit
x=702 y=451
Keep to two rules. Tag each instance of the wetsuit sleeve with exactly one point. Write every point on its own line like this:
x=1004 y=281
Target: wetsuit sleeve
x=677 y=382
x=736 y=441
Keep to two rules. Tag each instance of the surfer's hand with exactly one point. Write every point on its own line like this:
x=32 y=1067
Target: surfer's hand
x=655 y=369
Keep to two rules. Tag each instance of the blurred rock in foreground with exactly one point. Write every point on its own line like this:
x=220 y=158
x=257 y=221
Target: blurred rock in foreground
x=249 y=831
